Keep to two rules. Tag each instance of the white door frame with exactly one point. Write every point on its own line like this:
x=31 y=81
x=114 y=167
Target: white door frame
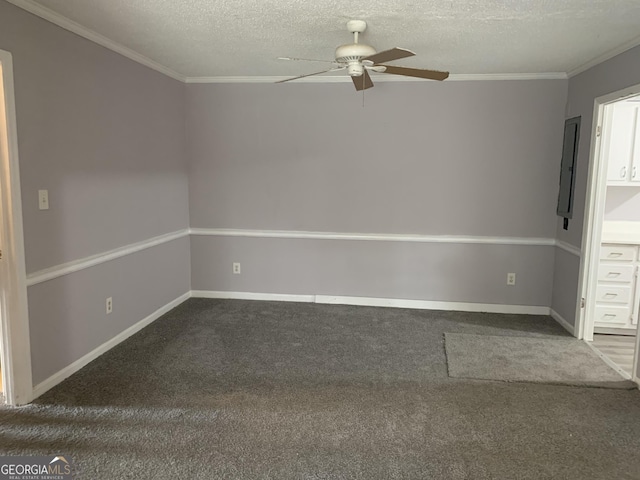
x=14 y=316
x=593 y=220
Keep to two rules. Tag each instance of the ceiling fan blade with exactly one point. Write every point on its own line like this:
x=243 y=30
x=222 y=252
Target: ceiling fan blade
x=363 y=81
x=389 y=55
x=416 y=72
x=306 y=60
x=311 y=74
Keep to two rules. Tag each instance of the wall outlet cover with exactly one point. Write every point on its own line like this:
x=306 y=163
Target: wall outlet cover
x=43 y=199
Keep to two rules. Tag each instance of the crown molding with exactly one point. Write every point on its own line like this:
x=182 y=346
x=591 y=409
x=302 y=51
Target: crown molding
x=605 y=56
x=381 y=78
x=64 y=22
x=68 y=24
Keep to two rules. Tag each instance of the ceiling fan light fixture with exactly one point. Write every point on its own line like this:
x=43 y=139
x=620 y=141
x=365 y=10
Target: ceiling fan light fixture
x=355 y=69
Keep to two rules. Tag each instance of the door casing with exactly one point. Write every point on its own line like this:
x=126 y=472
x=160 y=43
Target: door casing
x=14 y=316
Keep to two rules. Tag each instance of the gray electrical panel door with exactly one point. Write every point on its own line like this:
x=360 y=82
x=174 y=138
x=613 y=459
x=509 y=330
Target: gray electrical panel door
x=567 y=167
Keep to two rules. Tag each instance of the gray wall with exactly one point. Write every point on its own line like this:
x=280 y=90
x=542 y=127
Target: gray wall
x=67 y=314
x=615 y=74
x=402 y=270
x=106 y=137
x=565 y=288
x=457 y=158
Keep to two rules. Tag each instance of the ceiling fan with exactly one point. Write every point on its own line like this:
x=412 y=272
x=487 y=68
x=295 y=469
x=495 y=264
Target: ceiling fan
x=358 y=59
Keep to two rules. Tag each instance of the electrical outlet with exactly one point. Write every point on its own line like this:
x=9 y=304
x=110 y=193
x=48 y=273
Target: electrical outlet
x=236 y=268
x=43 y=199
x=109 y=305
x=511 y=278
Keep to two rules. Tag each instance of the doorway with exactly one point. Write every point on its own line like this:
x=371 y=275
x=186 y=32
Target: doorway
x=610 y=281
x=15 y=353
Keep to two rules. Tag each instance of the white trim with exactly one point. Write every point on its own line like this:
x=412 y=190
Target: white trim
x=604 y=57
x=376 y=302
x=87 y=262
x=464 y=77
x=592 y=226
x=77 y=265
x=64 y=22
x=432 y=305
x=593 y=219
x=380 y=237
x=69 y=370
x=68 y=24
x=608 y=361
x=635 y=371
x=622 y=331
x=273 y=297
x=562 y=321
x=381 y=78
x=14 y=311
x=567 y=247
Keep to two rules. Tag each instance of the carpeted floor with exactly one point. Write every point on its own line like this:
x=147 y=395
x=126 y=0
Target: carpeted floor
x=261 y=390
x=560 y=361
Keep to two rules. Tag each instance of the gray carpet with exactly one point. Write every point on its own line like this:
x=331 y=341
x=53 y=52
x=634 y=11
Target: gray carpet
x=224 y=389
x=565 y=361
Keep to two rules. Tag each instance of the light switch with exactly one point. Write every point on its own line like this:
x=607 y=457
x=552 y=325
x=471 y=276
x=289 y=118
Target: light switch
x=43 y=199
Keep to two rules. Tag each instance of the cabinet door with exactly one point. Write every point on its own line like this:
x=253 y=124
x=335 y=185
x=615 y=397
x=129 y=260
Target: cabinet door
x=620 y=137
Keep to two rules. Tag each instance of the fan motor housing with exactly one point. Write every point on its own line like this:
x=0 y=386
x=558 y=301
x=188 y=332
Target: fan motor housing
x=353 y=52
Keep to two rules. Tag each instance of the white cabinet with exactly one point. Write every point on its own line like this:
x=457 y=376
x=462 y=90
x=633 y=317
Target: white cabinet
x=618 y=292
x=622 y=144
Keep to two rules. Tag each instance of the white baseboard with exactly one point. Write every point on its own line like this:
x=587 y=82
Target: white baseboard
x=377 y=302
x=561 y=320
x=69 y=370
x=433 y=305
x=272 y=297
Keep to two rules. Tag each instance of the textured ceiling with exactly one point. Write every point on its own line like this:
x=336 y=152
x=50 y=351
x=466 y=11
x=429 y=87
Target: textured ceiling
x=206 y=38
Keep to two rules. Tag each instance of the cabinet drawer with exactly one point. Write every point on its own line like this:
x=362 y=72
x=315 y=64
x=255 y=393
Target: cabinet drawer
x=608 y=272
x=613 y=315
x=613 y=294
x=618 y=253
